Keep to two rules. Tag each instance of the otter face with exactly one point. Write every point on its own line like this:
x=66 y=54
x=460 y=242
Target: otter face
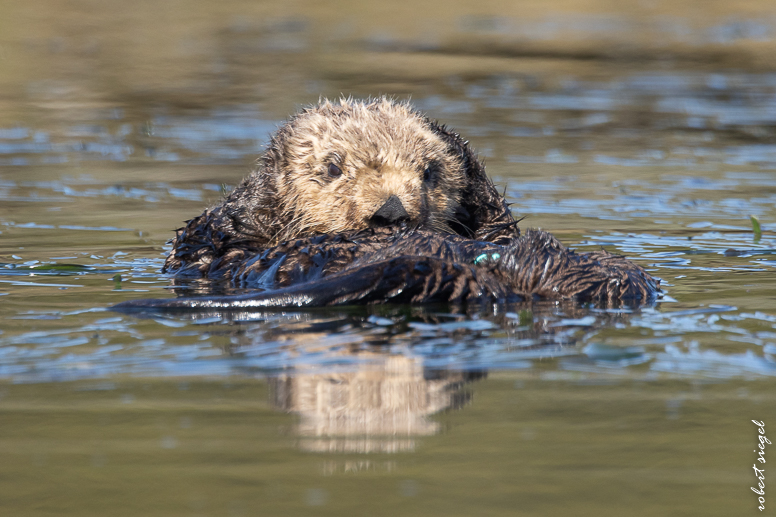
x=355 y=165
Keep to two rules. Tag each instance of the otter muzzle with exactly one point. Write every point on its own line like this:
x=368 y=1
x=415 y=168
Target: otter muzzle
x=391 y=212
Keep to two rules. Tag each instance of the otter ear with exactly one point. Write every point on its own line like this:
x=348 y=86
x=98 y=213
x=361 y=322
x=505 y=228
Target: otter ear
x=483 y=213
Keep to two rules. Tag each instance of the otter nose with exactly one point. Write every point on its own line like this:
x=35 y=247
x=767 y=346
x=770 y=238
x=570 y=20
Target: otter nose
x=391 y=212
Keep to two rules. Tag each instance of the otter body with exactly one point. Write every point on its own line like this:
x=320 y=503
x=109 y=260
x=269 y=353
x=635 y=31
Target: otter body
x=367 y=202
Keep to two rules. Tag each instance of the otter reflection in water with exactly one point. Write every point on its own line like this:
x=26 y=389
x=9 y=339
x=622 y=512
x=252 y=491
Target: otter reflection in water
x=372 y=379
x=370 y=201
x=379 y=406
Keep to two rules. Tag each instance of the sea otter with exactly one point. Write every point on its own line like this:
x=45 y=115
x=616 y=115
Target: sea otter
x=371 y=201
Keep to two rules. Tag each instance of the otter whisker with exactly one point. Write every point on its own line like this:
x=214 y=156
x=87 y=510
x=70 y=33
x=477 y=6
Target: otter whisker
x=459 y=223
x=441 y=226
x=290 y=230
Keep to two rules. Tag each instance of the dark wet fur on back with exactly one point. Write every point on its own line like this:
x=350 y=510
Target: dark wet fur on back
x=417 y=266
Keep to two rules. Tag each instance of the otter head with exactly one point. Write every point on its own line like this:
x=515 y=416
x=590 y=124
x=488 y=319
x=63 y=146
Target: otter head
x=352 y=165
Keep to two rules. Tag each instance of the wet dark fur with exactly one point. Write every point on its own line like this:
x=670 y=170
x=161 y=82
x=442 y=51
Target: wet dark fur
x=485 y=258
x=418 y=266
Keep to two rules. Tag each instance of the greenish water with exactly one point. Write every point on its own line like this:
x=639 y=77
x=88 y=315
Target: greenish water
x=647 y=130
x=525 y=444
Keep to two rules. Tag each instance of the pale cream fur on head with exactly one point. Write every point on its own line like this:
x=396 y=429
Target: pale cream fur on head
x=382 y=147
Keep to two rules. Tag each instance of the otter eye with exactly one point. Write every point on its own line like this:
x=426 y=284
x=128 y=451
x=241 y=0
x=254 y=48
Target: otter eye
x=334 y=171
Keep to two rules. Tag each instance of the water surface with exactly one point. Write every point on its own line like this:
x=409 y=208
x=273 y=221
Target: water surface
x=115 y=127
